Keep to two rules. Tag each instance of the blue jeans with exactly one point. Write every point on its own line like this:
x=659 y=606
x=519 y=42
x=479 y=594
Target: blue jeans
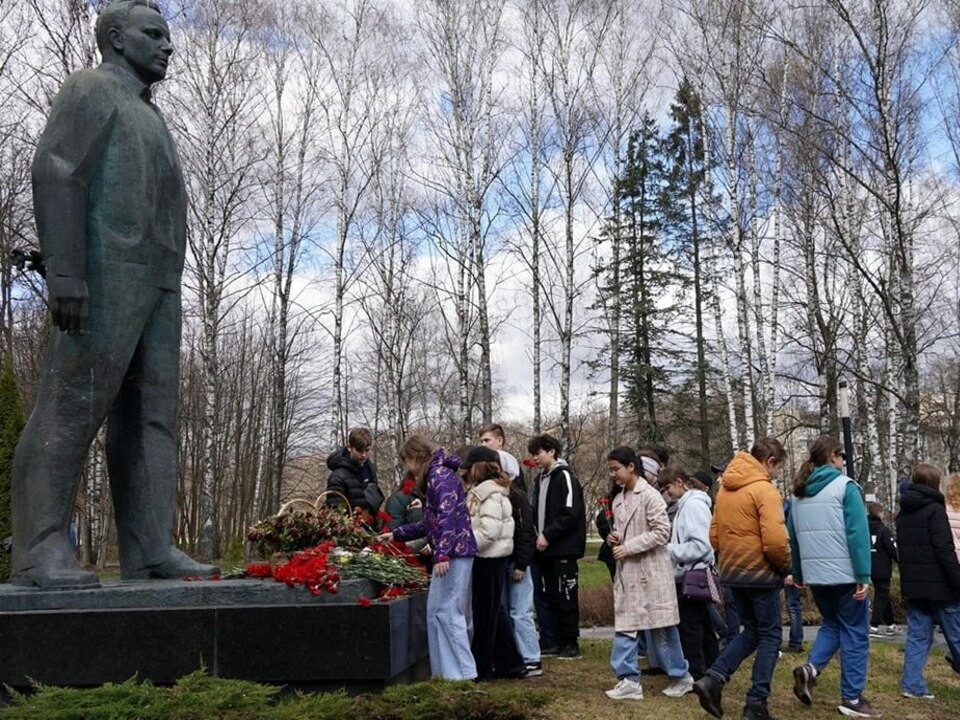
x=921 y=618
x=623 y=657
x=762 y=627
x=518 y=601
x=845 y=627
x=795 y=611
x=728 y=626
x=448 y=607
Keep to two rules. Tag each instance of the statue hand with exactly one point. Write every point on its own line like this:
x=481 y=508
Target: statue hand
x=68 y=303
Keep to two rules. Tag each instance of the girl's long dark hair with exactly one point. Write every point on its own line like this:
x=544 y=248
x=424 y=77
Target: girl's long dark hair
x=820 y=452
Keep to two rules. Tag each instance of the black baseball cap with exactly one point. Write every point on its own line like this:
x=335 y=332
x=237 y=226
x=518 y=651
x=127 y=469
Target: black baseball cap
x=704 y=477
x=478 y=454
x=719 y=468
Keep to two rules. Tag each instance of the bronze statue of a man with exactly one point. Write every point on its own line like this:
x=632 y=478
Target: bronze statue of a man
x=111 y=207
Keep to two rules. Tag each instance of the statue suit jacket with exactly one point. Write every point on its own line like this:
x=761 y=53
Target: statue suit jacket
x=108 y=190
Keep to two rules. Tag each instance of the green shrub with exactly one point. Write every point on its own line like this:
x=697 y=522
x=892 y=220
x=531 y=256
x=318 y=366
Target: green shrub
x=236 y=552
x=130 y=700
x=325 y=706
x=201 y=697
x=198 y=696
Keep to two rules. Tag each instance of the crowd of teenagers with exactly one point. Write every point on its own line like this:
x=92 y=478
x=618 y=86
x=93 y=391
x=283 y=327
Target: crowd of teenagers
x=699 y=564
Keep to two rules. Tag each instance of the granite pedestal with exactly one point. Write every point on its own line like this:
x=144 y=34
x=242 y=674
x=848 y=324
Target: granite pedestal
x=256 y=630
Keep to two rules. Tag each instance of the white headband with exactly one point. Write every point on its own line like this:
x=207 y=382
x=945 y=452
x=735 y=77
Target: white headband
x=650 y=465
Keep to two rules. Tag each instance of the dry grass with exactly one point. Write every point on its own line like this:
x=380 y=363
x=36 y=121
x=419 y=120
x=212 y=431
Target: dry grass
x=577 y=689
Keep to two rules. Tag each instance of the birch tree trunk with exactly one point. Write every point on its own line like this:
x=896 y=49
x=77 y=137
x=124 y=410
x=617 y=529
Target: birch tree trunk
x=290 y=192
x=569 y=61
x=350 y=86
x=215 y=122
x=465 y=42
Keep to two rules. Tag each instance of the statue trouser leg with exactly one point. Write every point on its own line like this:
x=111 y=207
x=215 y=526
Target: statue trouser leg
x=142 y=451
x=82 y=377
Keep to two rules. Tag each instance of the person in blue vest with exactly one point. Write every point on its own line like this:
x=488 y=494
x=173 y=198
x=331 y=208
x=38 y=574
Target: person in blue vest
x=830 y=547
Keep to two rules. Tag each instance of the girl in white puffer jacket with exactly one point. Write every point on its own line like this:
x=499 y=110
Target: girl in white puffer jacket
x=491 y=516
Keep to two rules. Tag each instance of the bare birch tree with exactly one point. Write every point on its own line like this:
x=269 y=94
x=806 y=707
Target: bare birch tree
x=351 y=84
x=465 y=42
x=569 y=62
x=214 y=95
x=291 y=191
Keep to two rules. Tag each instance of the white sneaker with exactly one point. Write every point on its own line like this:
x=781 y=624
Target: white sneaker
x=918 y=696
x=679 y=687
x=626 y=690
x=875 y=632
x=894 y=630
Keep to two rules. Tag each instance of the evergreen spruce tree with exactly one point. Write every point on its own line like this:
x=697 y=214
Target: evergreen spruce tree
x=686 y=190
x=11 y=423
x=647 y=282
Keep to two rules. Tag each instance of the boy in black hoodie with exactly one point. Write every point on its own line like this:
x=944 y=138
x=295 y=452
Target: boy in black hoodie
x=883 y=554
x=560 y=518
x=354 y=476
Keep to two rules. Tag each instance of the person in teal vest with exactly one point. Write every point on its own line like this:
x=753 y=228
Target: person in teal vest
x=830 y=547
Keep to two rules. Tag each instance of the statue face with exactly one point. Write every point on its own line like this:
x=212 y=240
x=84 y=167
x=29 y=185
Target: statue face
x=146 y=44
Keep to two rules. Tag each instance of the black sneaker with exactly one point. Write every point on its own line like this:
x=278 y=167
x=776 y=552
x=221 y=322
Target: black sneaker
x=518 y=673
x=756 y=712
x=709 y=691
x=569 y=652
x=549 y=650
x=534 y=669
x=804 y=679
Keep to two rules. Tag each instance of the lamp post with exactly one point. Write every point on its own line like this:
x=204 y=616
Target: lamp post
x=846 y=427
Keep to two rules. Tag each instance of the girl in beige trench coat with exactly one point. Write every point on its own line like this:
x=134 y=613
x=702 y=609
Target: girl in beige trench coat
x=644 y=593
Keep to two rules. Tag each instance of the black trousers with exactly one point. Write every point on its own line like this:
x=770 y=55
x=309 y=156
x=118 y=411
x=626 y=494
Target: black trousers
x=697 y=636
x=559 y=588
x=494 y=649
x=882 y=609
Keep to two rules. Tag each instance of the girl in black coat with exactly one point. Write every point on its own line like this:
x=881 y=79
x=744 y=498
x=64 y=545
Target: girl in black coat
x=929 y=576
x=883 y=554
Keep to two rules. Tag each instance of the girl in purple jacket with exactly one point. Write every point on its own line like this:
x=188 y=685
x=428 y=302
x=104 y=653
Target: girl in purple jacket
x=446 y=525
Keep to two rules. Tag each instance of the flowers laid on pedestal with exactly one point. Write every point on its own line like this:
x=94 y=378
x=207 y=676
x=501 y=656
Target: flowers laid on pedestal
x=320 y=545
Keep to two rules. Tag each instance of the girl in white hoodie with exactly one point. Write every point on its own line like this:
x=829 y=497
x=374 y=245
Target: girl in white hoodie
x=491 y=515
x=690 y=549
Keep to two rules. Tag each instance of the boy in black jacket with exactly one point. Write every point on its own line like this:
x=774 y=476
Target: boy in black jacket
x=883 y=553
x=353 y=475
x=560 y=519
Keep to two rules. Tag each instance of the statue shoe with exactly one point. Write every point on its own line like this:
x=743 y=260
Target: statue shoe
x=56 y=574
x=173 y=565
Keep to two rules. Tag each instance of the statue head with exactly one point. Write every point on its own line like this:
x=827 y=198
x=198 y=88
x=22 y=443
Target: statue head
x=133 y=34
